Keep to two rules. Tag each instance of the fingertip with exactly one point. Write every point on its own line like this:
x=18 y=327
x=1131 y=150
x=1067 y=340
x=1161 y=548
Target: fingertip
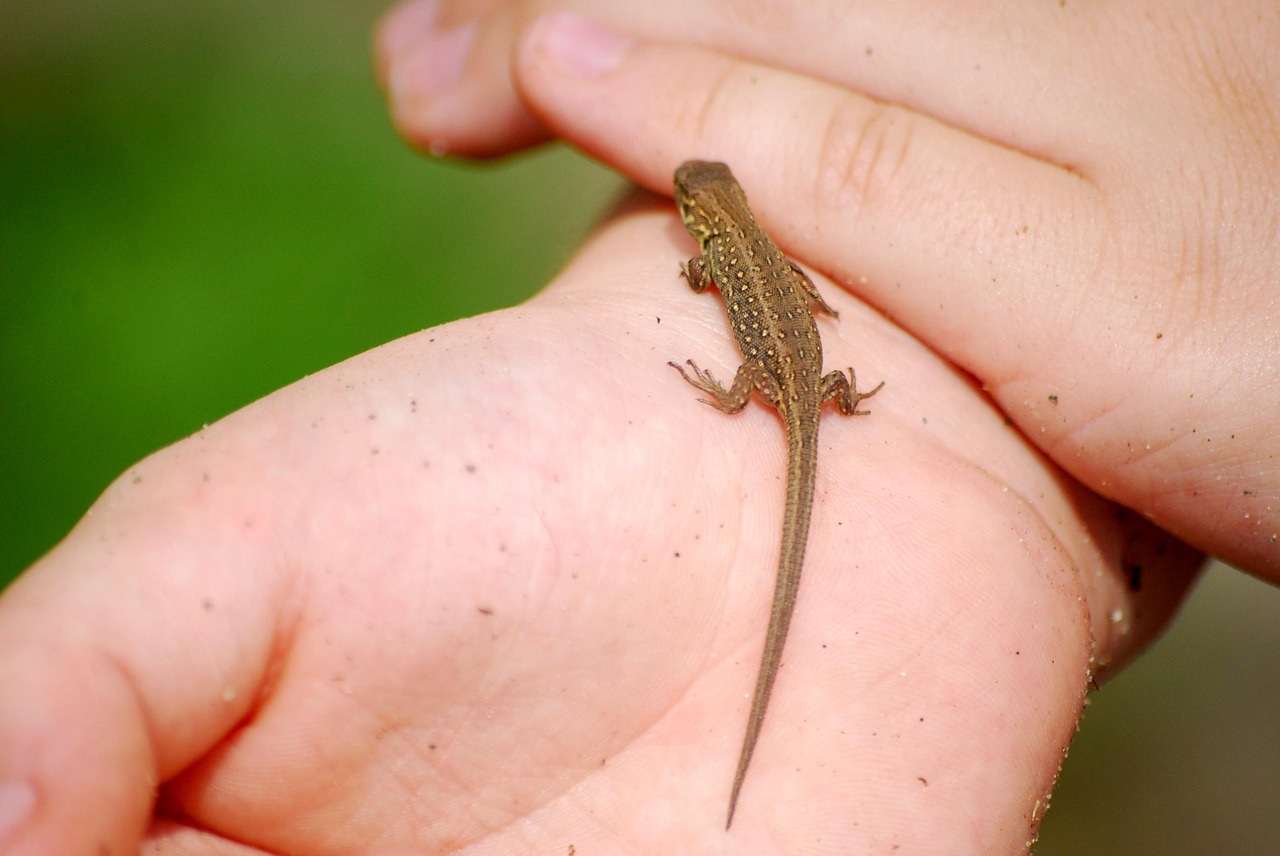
x=580 y=77
x=573 y=45
x=73 y=777
x=452 y=125
x=434 y=67
x=417 y=82
x=397 y=32
x=415 y=60
x=449 y=86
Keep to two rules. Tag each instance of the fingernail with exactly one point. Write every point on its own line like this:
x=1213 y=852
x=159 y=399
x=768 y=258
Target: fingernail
x=579 y=47
x=406 y=25
x=435 y=66
x=17 y=802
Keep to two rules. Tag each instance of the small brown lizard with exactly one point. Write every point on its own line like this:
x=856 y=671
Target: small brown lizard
x=768 y=299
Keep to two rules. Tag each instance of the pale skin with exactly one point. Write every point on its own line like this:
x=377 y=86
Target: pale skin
x=494 y=588
x=1094 y=181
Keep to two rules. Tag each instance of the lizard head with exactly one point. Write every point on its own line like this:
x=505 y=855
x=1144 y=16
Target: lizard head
x=704 y=190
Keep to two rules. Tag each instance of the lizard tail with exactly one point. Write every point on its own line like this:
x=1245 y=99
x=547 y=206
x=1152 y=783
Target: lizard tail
x=802 y=447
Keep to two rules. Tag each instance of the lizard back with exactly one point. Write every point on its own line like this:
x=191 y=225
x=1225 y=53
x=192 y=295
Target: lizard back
x=768 y=299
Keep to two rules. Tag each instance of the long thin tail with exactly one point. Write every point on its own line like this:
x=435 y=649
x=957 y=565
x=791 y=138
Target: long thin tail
x=802 y=444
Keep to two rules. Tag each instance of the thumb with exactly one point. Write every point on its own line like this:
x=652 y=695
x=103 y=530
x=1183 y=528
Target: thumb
x=101 y=704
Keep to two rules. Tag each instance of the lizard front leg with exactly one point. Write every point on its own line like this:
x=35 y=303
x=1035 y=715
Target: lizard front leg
x=696 y=273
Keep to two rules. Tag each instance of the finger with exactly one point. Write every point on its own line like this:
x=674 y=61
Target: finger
x=1037 y=79
x=992 y=69
x=114 y=696
x=957 y=237
x=881 y=178
x=447 y=78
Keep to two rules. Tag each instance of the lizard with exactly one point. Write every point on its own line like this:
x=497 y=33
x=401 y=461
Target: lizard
x=770 y=301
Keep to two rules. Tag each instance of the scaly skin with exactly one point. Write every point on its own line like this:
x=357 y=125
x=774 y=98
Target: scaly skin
x=768 y=298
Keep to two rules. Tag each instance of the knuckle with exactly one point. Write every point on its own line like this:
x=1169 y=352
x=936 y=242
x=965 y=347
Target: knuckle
x=863 y=151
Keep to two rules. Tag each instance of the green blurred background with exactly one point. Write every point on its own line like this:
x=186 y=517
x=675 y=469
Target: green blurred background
x=200 y=203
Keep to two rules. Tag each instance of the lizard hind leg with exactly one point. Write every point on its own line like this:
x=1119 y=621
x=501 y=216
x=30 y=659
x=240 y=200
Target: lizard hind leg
x=749 y=377
x=844 y=392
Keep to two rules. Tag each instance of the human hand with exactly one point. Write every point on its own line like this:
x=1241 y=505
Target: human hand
x=1073 y=202
x=501 y=586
